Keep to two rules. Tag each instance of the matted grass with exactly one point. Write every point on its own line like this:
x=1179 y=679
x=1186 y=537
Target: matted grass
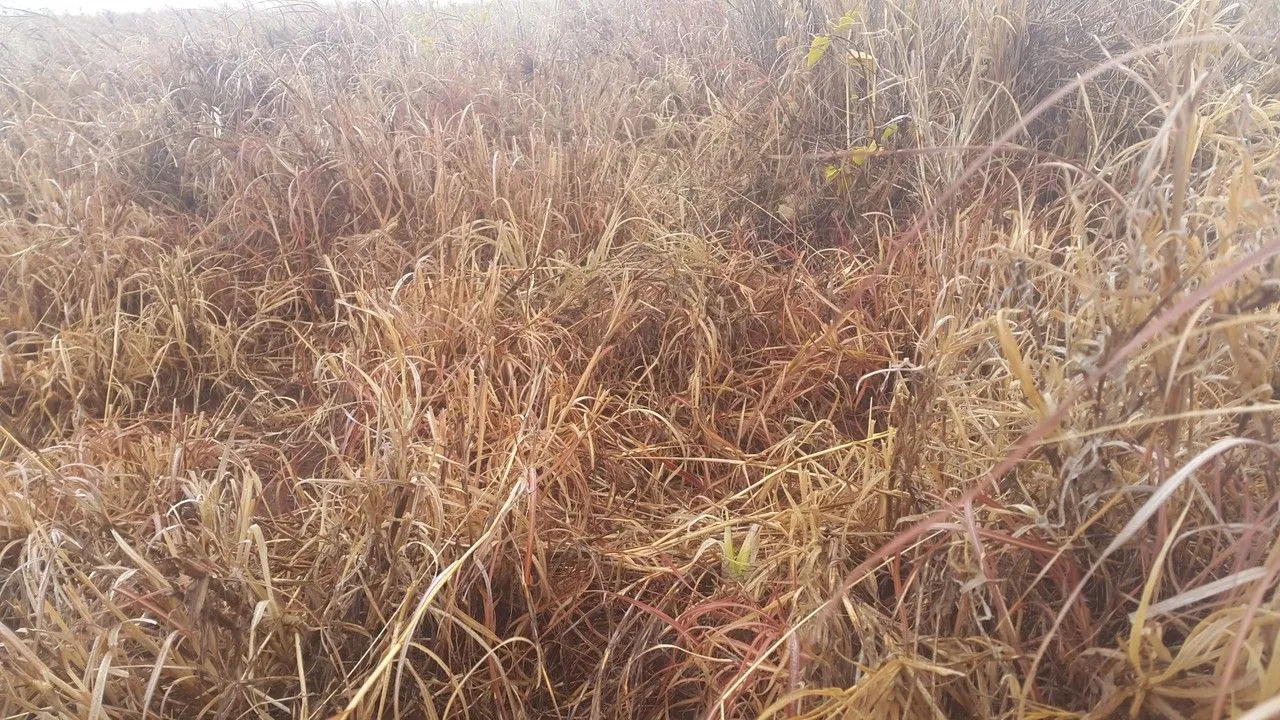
x=634 y=359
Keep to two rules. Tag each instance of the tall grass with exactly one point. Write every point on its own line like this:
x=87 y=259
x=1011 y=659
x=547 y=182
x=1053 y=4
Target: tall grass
x=623 y=358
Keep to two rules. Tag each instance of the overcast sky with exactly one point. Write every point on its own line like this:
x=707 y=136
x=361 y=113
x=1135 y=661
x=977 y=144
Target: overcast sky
x=92 y=6
x=96 y=6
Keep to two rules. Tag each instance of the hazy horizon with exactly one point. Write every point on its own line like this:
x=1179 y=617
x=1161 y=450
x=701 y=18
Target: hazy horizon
x=90 y=7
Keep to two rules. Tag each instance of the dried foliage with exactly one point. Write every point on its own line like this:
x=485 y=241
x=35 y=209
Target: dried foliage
x=641 y=359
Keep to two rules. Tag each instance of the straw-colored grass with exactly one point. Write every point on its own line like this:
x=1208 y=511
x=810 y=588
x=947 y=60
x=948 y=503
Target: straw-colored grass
x=636 y=359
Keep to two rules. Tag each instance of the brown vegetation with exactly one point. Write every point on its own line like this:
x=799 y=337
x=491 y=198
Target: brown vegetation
x=639 y=359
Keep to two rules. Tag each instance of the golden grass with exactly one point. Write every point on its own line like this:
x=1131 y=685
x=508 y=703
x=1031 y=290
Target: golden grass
x=606 y=359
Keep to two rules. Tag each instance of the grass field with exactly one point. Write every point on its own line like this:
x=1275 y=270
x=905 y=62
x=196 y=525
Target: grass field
x=642 y=359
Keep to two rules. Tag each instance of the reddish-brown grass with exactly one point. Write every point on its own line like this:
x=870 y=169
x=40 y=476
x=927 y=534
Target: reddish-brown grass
x=608 y=358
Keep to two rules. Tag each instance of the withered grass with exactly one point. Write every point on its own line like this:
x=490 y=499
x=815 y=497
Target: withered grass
x=611 y=359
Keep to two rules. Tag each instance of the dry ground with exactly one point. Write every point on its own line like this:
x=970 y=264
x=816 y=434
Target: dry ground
x=642 y=359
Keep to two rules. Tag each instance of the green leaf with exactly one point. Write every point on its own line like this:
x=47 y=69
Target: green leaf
x=845 y=22
x=858 y=154
x=889 y=131
x=831 y=172
x=817 y=49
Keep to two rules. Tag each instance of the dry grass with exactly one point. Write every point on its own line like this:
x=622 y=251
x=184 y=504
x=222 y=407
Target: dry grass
x=566 y=361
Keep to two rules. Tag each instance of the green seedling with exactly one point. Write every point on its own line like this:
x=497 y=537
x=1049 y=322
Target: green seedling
x=740 y=563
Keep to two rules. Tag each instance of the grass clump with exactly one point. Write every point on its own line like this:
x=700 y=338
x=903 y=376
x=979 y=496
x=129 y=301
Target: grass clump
x=641 y=359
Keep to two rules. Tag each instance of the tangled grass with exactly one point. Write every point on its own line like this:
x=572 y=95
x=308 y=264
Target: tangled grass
x=638 y=359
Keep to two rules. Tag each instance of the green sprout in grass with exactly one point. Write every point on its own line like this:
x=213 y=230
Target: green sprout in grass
x=739 y=564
